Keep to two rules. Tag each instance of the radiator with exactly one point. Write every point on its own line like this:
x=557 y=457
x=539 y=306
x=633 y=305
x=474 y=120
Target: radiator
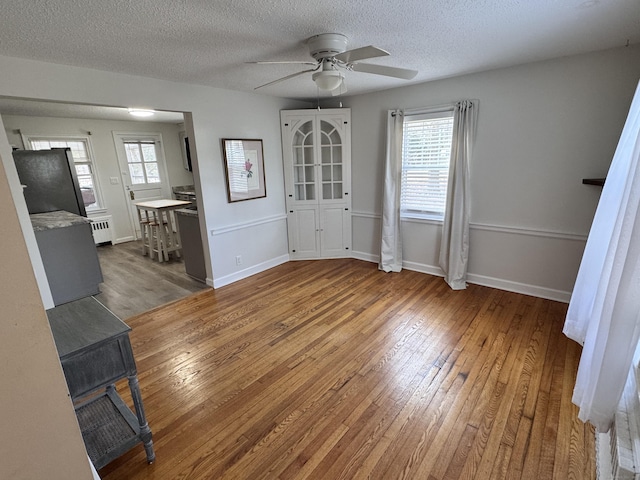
x=624 y=436
x=101 y=227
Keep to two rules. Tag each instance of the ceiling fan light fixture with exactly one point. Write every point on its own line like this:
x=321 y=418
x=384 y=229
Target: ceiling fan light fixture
x=328 y=79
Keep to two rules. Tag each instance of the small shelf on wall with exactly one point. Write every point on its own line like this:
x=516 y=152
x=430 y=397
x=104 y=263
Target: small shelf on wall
x=594 y=181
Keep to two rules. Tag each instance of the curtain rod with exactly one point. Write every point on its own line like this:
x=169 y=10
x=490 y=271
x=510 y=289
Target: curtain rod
x=436 y=108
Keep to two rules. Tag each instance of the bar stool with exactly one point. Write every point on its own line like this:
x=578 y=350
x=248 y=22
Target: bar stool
x=153 y=233
x=145 y=231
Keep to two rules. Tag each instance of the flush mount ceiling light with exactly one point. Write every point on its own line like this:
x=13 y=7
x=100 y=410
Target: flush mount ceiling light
x=140 y=112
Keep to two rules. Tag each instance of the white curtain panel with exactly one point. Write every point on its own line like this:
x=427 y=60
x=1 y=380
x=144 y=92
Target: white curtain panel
x=604 y=312
x=454 y=249
x=391 y=244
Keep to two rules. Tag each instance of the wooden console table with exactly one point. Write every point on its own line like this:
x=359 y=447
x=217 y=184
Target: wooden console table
x=95 y=352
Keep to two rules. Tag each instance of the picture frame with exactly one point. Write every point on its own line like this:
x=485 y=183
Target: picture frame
x=244 y=169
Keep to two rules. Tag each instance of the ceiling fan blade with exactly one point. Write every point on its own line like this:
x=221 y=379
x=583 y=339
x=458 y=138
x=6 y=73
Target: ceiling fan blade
x=288 y=77
x=403 y=73
x=296 y=62
x=361 y=53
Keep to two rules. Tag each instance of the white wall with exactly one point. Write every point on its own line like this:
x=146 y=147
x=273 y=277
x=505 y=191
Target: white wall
x=106 y=159
x=215 y=114
x=40 y=437
x=542 y=128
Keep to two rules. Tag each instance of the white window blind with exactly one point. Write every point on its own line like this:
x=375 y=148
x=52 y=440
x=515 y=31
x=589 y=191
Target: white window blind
x=426 y=154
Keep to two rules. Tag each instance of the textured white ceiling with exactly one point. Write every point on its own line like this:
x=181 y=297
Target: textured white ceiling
x=207 y=42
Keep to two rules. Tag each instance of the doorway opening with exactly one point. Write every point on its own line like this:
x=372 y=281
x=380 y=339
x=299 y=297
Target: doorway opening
x=114 y=174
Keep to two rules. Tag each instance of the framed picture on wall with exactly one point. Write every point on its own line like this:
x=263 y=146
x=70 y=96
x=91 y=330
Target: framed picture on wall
x=244 y=169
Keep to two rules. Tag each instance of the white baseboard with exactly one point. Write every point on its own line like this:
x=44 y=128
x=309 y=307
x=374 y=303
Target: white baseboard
x=525 y=289
x=500 y=284
x=130 y=238
x=367 y=257
x=422 y=268
x=247 y=272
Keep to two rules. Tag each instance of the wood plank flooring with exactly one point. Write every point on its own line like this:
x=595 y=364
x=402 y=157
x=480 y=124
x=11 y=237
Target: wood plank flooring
x=134 y=283
x=334 y=370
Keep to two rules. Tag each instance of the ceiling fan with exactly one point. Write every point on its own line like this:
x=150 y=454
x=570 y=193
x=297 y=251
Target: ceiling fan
x=332 y=58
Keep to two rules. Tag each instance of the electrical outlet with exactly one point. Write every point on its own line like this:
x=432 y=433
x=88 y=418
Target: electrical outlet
x=238 y=260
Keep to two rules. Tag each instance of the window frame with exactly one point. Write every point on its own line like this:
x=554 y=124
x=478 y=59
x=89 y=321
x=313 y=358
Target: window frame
x=143 y=162
x=27 y=140
x=446 y=111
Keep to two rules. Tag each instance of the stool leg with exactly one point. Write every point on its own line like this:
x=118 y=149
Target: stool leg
x=164 y=239
x=144 y=233
x=160 y=242
x=142 y=220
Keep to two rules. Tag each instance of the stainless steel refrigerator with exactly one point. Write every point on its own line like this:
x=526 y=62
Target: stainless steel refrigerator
x=50 y=180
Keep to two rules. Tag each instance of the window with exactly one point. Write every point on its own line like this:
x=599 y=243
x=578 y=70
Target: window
x=142 y=161
x=426 y=154
x=82 y=160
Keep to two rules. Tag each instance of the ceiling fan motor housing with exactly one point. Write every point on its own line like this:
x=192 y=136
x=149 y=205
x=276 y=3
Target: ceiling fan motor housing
x=326 y=45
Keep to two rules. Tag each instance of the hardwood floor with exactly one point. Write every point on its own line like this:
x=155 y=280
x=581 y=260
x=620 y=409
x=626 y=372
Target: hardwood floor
x=334 y=370
x=134 y=283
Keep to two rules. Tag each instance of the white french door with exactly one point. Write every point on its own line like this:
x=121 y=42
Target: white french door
x=143 y=170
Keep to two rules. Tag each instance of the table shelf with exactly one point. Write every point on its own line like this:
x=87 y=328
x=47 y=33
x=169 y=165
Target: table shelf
x=109 y=428
x=95 y=351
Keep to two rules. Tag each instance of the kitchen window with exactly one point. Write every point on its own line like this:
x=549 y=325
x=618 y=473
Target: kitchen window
x=426 y=155
x=82 y=159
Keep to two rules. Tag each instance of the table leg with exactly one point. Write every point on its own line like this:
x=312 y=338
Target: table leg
x=174 y=236
x=178 y=240
x=163 y=234
x=145 y=431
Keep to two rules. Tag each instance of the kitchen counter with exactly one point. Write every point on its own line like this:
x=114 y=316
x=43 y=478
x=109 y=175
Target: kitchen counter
x=192 y=249
x=184 y=190
x=56 y=219
x=189 y=212
x=69 y=255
